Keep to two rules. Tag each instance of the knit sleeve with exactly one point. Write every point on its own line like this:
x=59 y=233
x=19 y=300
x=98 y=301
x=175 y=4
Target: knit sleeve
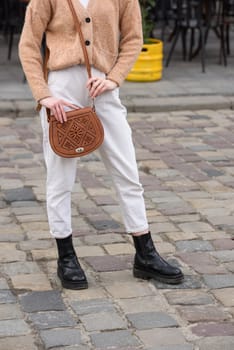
x=131 y=41
x=37 y=17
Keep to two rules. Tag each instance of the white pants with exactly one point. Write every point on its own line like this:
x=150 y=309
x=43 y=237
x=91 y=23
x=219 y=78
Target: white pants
x=117 y=153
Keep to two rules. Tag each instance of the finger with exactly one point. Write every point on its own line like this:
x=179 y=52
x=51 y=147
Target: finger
x=55 y=114
x=101 y=87
x=63 y=114
x=95 y=87
x=102 y=90
x=91 y=81
x=59 y=114
x=65 y=103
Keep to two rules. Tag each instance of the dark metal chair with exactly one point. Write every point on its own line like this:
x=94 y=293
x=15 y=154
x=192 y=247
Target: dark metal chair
x=165 y=15
x=13 y=12
x=227 y=21
x=189 y=18
x=221 y=19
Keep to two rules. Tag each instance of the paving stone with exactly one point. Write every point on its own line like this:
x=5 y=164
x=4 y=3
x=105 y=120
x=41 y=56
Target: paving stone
x=181 y=236
x=219 y=281
x=83 y=251
x=224 y=256
x=3 y=284
x=146 y=320
x=45 y=254
x=52 y=319
x=6 y=296
x=190 y=282
x=10 y=311
x=122 y=348
x=2 y=204
x=37 y=244
x=24 y=342
x=103 y=321
x=203 y=313
x=114 y=339
x=111 y=277
x=161 y=336
x=11 y=230
x=209 y=236
x=25 y=210
x=225 y=296
x=223 y=244
x=25 y=204
x=143 y=304
x=15 y=237
x=104 y=239
x=129 y=289
x=60 y=337
x=213 y=329
x=42 y=301
x=93 y=292
x=177 y=210
x=202 y=263
x=10 y=328
x=32 y=226
x=182 y=297
x=119 y=248
x=108 y=263
x=229 y=266
x=193 y=245
x=19 y=194
x=78 y=347
x=9 y=253
x=163 y=227
x=101 y=225
x=92 y=306
x=175 y=347
x=164 y=247
x=196 y=227
x=37 y=282
x=36 y=234
x=17 y=268
x=216 y=343
x=221 y=220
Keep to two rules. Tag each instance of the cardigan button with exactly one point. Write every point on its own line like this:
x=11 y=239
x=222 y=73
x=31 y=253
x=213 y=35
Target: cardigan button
x=87 y=20
x=87 y=42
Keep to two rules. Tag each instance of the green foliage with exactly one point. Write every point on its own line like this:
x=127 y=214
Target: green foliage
x=147 y=9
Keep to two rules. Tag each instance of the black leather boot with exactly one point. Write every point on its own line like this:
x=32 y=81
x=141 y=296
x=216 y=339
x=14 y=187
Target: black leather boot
x=69 y=270
x=149 y=264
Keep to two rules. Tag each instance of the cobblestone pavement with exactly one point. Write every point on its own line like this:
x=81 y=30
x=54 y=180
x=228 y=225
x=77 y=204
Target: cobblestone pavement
x=186 y=163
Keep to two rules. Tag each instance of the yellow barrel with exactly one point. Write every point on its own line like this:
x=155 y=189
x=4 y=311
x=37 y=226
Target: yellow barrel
x=149 y=64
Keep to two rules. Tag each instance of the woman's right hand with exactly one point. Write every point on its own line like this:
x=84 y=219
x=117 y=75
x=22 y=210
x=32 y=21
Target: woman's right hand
x=56 y=107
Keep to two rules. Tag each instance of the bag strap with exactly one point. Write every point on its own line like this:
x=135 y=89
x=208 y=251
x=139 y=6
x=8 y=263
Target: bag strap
x=86 y=57
x=78 y=28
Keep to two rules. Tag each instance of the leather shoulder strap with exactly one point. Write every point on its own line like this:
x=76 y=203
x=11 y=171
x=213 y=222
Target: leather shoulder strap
x=78 y=28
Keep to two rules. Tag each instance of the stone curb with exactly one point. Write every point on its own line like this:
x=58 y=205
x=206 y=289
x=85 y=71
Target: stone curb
x=141 y=105
x=167 y=104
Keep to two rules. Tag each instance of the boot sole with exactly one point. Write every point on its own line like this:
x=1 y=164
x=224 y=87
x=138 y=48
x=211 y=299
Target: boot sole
x=71 y=285
x=145 y=275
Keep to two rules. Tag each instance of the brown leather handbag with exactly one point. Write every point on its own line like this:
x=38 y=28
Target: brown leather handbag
x=83 y=132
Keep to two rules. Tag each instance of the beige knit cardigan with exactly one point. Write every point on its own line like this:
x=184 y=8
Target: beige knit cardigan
x=112 y=29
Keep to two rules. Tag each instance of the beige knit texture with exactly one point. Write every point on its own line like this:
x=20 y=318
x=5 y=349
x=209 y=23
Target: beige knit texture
x=114 y=32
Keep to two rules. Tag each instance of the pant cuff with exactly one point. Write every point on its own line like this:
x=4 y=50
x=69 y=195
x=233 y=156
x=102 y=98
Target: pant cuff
x=138 y=229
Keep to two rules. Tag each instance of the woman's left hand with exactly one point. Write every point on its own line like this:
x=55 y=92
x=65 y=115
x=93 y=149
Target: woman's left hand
x=98 y=85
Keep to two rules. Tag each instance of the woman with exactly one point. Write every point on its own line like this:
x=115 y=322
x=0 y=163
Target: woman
x=113 y=37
